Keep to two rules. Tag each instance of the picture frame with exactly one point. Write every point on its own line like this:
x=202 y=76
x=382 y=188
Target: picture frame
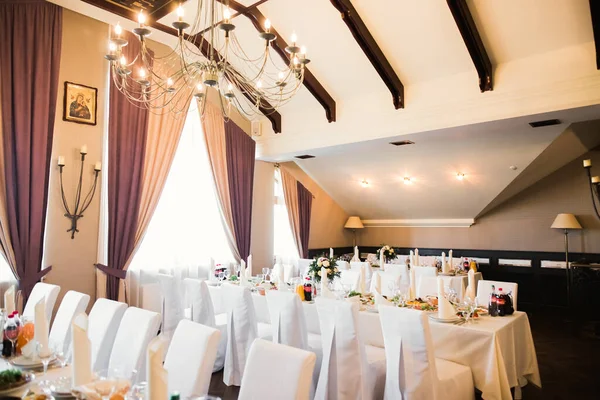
x=80 y=103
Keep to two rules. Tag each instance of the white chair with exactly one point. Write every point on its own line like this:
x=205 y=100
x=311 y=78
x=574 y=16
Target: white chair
x=400 y=270
x=424 y=271
x=190 y=359
x=277 y=372
x=412 y=370
x=42 y=290
x=427 y=286
x=484 y=289
x=388 y=281
x=356 y=266
x=151 y=299
x=343 y=265
x=172 y=303
x=103 y=323
x=303 y=265
x=288 y=323
x=73 y=304
x=241 y=331
x=350 y=370
x=202 y=311
x=350 y=278
x=138 y=327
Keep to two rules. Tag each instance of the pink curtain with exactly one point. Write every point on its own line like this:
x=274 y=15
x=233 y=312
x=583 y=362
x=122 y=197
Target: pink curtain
x=304 y=210
x=30 y=46
x=298 y=201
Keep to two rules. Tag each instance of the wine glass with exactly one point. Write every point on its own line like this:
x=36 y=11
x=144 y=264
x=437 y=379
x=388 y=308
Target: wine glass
x=45 y=354
x=266 y=271
x=469 y=308
x=59 y=352
x=110 y=381
x=11 y=331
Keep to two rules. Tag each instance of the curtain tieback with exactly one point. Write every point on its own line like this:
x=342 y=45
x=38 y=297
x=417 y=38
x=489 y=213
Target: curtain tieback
x=30 y=281
x=117 y=273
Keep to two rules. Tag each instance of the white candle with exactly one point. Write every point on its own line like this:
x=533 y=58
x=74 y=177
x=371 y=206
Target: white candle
x=98 y=166
x=61 y=160
x=450 y=259
x=587 y=163
x=83 y=149
x=443 y=261
x=417 y=257
x=595 y=179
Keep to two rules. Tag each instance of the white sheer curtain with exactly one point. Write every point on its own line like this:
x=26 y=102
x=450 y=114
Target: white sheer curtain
x=186 y=229
x=284 y=246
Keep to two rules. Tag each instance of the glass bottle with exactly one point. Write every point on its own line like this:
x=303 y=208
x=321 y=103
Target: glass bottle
x=308 y=288
x=493 y=304
x=501 y=302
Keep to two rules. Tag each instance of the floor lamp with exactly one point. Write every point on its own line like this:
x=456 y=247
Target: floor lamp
x=354 y=223
x=566 y=222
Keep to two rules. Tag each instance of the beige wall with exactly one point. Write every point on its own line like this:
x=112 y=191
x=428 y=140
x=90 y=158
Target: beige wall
x=82 y=61
x=522 y=223
x=261 y=246
x=327 y=218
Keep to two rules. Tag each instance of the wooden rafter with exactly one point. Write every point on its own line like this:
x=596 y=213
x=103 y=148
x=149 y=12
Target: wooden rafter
x=206 y=49
x=166 y=9
x=595 y=12
x=470 y=34
x=279 y=44
x=371 y=49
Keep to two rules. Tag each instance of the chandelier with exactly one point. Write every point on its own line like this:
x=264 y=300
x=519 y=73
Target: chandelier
x=207 y=55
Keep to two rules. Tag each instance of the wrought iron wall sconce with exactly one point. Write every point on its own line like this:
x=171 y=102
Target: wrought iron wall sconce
x=80 y=206
x=594 y=182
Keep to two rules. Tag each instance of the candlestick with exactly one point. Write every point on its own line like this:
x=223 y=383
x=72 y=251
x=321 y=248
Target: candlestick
x=83 y=149
x=61 y=161
x=98 y=166
x=595 y=179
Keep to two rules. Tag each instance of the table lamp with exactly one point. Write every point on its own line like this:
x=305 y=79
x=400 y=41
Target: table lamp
x=354 y=223
x=566 y=222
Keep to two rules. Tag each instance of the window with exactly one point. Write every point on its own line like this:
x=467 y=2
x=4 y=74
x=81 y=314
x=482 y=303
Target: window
x=186 y=228
x=284 y=246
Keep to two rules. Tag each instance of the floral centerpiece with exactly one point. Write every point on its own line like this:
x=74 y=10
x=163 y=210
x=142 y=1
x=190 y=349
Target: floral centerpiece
x=388 y=253
x=330 y=264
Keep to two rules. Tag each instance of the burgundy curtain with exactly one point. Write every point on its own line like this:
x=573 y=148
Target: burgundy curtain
x=304 y=209
x=240 y=173
x=30 y=44
x=127 y=133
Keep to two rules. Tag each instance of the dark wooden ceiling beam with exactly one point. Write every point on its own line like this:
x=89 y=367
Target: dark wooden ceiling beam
x=279 y=44
x=470 y=34
x=595 y=13
x=371 y=49
x=166 y=9
x=207 y=50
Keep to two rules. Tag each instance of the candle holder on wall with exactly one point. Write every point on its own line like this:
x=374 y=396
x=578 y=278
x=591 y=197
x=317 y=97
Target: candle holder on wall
x=80 y=206
x=594 y=182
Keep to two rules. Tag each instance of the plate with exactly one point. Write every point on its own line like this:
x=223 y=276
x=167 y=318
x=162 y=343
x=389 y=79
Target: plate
x=61 y=387
x=444 y=320
x=29 y=363
x=20 y=388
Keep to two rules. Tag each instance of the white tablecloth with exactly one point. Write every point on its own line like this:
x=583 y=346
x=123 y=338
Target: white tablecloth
x=499 y=351
x=52 y=374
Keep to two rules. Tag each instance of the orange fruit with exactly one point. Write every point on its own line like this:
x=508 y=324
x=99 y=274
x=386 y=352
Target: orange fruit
x=26 y=334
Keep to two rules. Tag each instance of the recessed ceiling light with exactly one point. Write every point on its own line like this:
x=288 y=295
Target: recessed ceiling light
x=513 y=167
x=364 y=183
x=407 y=180
x=305 y=156
x=402 y=142
x=547 y=122
x=460 y=176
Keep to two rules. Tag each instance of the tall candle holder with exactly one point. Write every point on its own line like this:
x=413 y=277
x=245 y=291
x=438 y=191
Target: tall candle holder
x=594 y=182
x=80 y=206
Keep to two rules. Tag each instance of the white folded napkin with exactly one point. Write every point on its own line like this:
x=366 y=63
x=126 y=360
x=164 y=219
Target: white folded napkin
x=381 y=259
x=382 y=301
x=413 y=284
x=249 y=268
x=281 y=275
x=28 y=351
x=41 y=324
x=377 y=282
x=362 y=283
x=158 y=378
x=243 y=276
x=356 y=257
x=331 y=252
x=417 y=257
x=325 y=292
x=470 y=293
x=211 y=269
x=9 y=300
x=81 y=370
x=445 y=309
x=411 y=258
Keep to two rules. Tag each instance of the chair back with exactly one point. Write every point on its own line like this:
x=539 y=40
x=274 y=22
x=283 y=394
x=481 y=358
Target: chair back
x=151 y=298
x=303 y=265
x=410 y=362
x=190 y=359
x=138 y=327
x=424 y=271
x=103 y=323
x=73 y=304
x=356 y=266
x=344 y=370
x=400 y=270
x=343 y=265
x=484 y=289
x=290 y=370
x=172 y=303
x=388 y=282
x=351 y=278
x=427 y=286
x=42 y=290
x=199 y=301
x=242 y=329
x=288 y=322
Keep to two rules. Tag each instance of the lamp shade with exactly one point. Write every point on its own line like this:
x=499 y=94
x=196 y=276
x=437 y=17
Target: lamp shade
x=354 y=223
x=566 y=221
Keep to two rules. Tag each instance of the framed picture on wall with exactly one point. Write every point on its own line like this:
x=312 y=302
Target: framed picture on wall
x=80 y=103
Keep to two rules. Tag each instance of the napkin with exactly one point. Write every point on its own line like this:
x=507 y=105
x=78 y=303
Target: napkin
x=325 y=292
x=446 y=266
x=381 y=259
x=243 y=276
x=413 y=283
x=362 y=284
x=9 y=300
x=450 y=264
x=471 y=286
x=411 y=258
x=158 y=385
x=330 y=252
x=211 y=269
x=249 y=269
x=81 y=371
x=445 y=309
x=382 y=301
x=356 y=257
x=377 y=282
x=281 y=275
x=41 y=323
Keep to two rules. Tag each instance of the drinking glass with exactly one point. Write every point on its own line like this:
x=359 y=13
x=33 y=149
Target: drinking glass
x=11 y=331
x=59 y=352
x=469 y=309
x=110 y=381
x=266 y=271
x=347 y=288
x=45 y=354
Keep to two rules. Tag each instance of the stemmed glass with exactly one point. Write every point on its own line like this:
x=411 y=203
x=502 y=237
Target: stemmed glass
x=470 y=306
x=11 y=331
x=110 y=381
x=266 y=271
x=44 y=353
x=59 y=352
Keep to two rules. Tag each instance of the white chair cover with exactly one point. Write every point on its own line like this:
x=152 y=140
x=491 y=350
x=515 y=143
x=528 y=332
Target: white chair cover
x=288 y=322
x=400 y=270
x=412 y=370
x=138 y=327
x=42 y=290
x=73 y=304
x=484 y=289
x=303 y=265
x=241 y=331
x=172 y=309
x=351 y=278
x=190 y=359
x=343 y=265
x=389 y=281
x=103 y=323
x=427 y=286
x=287 y=368
x=424 y=271
x=356 y=266
x=150 y=297
x=346 y=373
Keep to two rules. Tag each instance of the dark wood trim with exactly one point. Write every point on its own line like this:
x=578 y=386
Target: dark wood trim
x=279 y=44
x=206 y=49
x=371 y=49
x=595 y=13
x=470 y=34
x=166 y=9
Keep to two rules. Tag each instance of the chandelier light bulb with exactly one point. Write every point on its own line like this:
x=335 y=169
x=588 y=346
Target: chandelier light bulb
x=229 y=87
x=296 y=61
x=123 y=61
x=180 y=11
x=118 y=29
x=294 y=38
x=460 y=176
x=259 y=84
x=227 y=14
x=142 y=73
x=169 y=82
x=141 y=18
x=281 y=75
x=112 y=47
x=303 y=51
x=364 y=183
x=200 y=87
x=267 y=24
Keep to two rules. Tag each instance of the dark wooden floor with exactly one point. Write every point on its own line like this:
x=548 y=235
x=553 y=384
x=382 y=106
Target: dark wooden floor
x=569 y=361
